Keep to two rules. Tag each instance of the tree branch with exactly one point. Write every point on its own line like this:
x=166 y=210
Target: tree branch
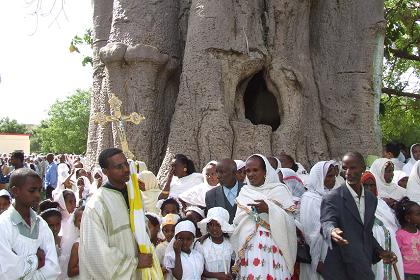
x=404 y=54
x=391 y=91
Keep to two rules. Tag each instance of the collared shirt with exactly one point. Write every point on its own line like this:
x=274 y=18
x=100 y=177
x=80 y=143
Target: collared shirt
x=231 y=193
x=51 y=175
x=30 y=231
x=124 y=192
x=360 y=201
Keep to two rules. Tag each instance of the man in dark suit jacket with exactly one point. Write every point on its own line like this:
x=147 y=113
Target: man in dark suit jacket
x=347 y=216
x=225 y=194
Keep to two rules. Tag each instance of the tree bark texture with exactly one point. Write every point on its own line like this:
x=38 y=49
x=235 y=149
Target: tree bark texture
x=229 y=78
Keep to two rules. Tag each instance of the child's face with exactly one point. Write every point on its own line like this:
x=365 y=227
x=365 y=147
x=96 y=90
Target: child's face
x=168 y=231
x=78 y=218
x=54 y=222
x=29 y=193
x=169 y=208
x=413 y=216
x=389 y=172
x=4 y=203
x=154 y=230
x=187 y=239
x=214 y=229
x=70 y=201
x=193 y=216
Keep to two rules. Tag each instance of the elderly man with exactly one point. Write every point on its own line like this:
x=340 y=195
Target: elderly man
x=225 y=194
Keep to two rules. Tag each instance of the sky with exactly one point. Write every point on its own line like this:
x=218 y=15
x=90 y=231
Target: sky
x=36 y=67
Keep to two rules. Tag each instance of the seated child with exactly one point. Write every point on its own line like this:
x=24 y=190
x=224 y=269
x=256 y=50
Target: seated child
x=216 y=248
x=27 y=247
x=5 y=200
x=181 y=258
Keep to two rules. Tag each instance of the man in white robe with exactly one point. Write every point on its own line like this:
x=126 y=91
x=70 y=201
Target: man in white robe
x=108 y=249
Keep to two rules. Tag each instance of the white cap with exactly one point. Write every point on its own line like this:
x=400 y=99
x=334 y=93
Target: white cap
x=239 y=164
x=4 y=192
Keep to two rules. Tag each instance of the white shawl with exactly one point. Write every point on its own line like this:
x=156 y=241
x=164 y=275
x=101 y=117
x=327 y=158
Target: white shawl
x=197 y=194
x=310 y=212
x=180 y=185
x=413 y=185
x=385 y=190
x=282 y=226
x=410 y=164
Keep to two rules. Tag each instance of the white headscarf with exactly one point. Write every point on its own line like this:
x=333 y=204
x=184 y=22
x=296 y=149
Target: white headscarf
x=398 y=175
x=94 y=186
x=410 y=164
x=197 y=210
x=64 y=213
x=86 y=186
x=310 y=212
x=413 y=185
x=282 y=226
x=180 y=227
x=239 y=164
x=292 y=180
x=152 y=191
x=220 y=215
x=385 y=190
x=317 y=177
x=197 y=194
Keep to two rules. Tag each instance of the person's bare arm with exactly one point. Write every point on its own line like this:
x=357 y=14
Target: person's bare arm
x=73 y=267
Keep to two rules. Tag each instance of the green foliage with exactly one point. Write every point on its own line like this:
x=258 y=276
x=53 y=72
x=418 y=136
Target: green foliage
x=402 y=41
x=11 y=126
x=66 y=129
x=401 y=120
x=400 y=116
x=85 y=39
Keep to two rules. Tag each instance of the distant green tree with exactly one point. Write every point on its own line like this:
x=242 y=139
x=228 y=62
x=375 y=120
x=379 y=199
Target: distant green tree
x=11 y=126
x=400 y=102
x=66 y=129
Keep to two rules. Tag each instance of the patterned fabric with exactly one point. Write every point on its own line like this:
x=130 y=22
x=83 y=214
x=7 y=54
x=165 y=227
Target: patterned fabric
x=262 y=259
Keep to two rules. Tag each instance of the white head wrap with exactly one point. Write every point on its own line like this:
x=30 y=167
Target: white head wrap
x=410 y=164
x=292 y=180
x=220 y=215
x=239 y=164
x=196 y=209
x=398 y=175
x=385 y=189
x=142 y=166
x=149 y=180
x=180 y=227
x=317 y=176
x=4 y=192
x=413 y=185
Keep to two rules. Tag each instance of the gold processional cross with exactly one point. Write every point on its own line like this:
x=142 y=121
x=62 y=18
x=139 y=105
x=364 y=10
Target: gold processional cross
x=117 y=117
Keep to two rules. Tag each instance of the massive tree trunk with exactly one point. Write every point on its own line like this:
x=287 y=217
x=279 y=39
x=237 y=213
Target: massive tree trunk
x=220 y=78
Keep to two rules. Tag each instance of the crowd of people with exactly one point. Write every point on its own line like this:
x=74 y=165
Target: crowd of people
x=262 y=218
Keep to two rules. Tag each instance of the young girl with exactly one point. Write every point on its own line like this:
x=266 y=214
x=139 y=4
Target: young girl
x=73 y=266
x=50 y=212
x=168 y=230
x=195 y=214
x=408 y=237
x=27 y=246
x=168 y=206
x=153 y=224
x=216 y=249
x=181 y=259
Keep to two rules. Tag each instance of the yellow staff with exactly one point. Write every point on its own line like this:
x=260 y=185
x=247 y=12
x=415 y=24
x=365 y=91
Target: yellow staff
x=138 y=225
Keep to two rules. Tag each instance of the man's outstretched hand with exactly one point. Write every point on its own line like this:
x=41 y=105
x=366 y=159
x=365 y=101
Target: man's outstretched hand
x=337 y=237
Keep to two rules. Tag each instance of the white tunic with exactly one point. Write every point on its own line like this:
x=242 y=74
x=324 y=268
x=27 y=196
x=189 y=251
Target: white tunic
x=19 y=243
x=192 y=264
x=217 y=257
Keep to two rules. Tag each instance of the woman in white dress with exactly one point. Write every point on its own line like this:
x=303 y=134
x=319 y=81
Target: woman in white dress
x=181 y=178
x=413 y=184
x=415 y=156
x=264 y=239
x=321 y=180
x=196 y=196
x=383 y=170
